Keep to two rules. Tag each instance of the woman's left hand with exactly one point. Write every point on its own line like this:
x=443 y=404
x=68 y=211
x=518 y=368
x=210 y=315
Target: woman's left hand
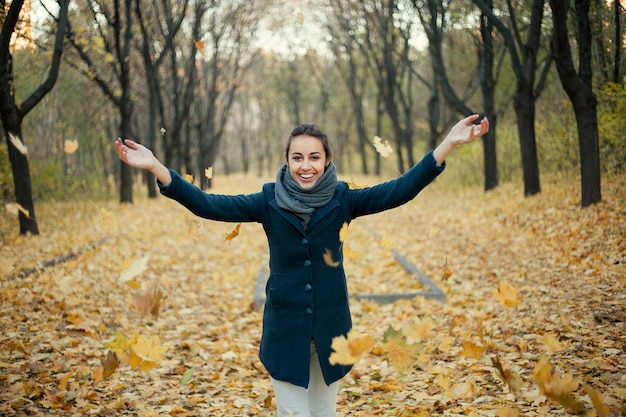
x=465 y=130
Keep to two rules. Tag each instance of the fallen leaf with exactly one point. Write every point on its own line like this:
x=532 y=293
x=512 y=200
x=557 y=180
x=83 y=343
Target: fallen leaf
x=145 y=353
x=506 y=294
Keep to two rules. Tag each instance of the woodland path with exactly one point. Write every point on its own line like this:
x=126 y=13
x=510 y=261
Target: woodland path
x=524 y=279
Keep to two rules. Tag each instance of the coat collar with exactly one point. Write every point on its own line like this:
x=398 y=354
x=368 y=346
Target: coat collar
x=295 y=221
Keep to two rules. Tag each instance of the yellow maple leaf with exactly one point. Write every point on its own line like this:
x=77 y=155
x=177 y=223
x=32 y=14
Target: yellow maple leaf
x=348 y=350
x=233 y=234
x=189 y=177
x=145 y=352
x=208 y=173
x=329 y=259
x=343 y=232
x=70 y=146
x=506 y=294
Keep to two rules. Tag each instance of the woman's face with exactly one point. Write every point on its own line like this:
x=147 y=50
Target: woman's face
x=306 y=160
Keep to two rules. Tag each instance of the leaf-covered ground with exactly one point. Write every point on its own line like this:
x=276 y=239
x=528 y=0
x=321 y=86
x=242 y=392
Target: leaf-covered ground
x=526 y=279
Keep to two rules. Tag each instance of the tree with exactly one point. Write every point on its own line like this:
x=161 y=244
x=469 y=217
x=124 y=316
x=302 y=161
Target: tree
x=103 y=48
x=578 y=86
x=343 y=28
x=530 y=80
x=227 y=53
x=159 y=23
x=12 y=113
x=434 y=24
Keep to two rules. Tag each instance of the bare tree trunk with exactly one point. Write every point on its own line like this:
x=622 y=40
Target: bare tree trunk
x=579 y=89
x=12 y=115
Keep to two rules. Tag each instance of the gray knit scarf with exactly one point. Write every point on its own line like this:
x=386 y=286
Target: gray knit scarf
x=303 y=201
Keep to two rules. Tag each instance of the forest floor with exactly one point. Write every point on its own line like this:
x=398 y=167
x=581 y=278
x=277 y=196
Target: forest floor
x=534 y=323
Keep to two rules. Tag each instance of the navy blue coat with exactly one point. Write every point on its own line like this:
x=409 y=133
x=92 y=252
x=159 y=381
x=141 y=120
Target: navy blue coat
x=306 y=299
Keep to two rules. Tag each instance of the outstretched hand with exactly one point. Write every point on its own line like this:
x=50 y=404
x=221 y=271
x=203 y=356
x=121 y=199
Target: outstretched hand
x=465 y=131
x=134 y=154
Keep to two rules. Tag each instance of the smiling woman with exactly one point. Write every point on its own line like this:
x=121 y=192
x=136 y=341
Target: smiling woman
x=303 y=213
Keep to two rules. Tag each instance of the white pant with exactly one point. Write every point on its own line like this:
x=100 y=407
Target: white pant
x=318 y=400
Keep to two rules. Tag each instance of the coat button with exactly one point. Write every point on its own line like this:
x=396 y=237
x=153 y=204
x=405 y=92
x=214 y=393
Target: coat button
x=308 y=310
x=305 y=241
x=308 y=287
x=307 y=262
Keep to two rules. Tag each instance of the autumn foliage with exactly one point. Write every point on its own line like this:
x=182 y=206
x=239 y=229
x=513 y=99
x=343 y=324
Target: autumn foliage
x=150 y=311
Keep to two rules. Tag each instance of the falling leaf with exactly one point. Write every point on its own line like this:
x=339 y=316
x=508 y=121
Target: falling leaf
x=417 y=330
x=401 y=354
x=382 y=147
x=17 y=142
x=348 y=350
x=109 y=365
x=150 y=301
x=597 y=400
x=189 y=178
x=511 y=379
x=446 y=273
x=136 y=268
x=233 y=234
x=556 y=387
x=551 y=343
x=208 y=173
x=506 y=294
x=354 y=186
x=387 y=242
x=144 y=352
x=16 y=208
x=70 y=146
x=343 y=232
x=300 y=18
x=329 y=259
x=200 y=47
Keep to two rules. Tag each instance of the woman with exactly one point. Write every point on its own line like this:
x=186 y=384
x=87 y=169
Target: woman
x=302 y=213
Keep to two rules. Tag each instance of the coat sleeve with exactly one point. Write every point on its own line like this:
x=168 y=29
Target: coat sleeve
x=397 y=191
x=229 y=208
